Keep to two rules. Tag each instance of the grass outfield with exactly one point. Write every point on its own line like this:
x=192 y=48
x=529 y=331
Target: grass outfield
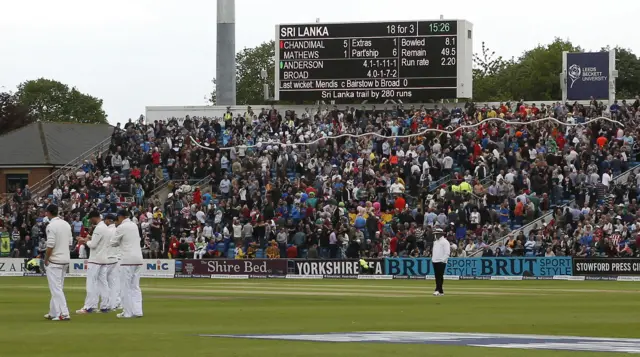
x=178 y=310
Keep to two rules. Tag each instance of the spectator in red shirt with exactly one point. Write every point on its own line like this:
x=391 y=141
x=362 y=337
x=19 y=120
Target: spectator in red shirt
x=136 y=172
x=155 y=157
x=393 y=245
x=399 y=203
x=292 y=252
x=197 y=196
x=560 y=140
x=173 y=247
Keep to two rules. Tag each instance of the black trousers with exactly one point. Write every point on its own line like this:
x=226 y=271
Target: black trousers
x=438 y=269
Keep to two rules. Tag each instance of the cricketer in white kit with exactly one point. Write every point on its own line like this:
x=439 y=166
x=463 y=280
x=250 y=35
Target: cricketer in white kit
x=113 y=277
x=127 y=238
x=101 y=262
x=56 y=261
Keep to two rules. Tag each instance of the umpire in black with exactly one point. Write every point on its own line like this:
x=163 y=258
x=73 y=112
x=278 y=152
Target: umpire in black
x=441 y=252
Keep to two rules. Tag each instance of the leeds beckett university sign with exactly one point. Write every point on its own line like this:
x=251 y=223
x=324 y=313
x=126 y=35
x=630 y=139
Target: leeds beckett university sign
x=606 y=266
x=234 y=267
x=335 y=268
x=482 y=267
x=587 y=75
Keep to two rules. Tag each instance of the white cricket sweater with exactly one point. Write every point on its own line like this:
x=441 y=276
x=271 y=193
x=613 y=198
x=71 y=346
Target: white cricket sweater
x=100 y=245
x=59 y=238
x=127 y=238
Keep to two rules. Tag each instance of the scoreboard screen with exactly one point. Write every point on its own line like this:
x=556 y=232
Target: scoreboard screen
x=347 y=62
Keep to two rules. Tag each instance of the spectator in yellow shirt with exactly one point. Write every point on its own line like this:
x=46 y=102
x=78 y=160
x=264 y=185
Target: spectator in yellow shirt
x=251 y=251
x=239 y=253
x=272 y=251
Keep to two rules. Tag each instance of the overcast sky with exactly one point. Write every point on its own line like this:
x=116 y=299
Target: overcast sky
x=137 y=53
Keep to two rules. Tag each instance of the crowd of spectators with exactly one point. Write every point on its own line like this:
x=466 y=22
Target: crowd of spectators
x=285 y=184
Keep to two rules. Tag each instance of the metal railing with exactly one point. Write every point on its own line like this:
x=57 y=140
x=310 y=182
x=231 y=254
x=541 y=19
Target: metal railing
x=435 y=184
x=548 y=216
x=159 y=188
x=41 y=187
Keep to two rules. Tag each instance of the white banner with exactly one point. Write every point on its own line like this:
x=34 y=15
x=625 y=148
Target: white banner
x=375 y=277
x=12 y=267
x=152 y=268
x=223 y=276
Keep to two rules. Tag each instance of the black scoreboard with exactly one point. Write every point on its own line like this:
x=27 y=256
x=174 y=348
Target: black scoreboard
x=353 y=62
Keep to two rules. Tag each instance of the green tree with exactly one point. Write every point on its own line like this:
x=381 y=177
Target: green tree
x=249 y=64
x=12 y=114
x=49 y=100
x=536 y=73
x=487 y=68
x=628 y=66
x=212 y=96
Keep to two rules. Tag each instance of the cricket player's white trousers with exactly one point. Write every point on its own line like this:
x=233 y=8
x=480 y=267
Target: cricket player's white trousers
x=55 y=278
x=97 y=286
x=114 y=283
x=131 y=293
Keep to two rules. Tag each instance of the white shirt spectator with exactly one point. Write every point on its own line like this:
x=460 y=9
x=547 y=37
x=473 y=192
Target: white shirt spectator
x=396 y=188
x=237 y=231
x=225 y=185
x=606 y=179
x=207 y=232
x=200 y=216
x=447 y=162
x=475 y=218
x=529 y=245
x=509 y=177
x=57 y=193
x=425 y=166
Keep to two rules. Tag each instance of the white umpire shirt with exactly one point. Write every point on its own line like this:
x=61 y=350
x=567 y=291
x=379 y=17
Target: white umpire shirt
x=441 y=250
x=59 y=238
x=127 y=238
x=100 y=245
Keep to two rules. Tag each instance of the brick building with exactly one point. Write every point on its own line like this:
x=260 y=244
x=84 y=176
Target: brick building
x=33 y=152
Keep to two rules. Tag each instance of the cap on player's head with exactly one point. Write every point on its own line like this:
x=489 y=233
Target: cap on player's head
x=52 y=210
x=124 y=213
x=110 y=217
